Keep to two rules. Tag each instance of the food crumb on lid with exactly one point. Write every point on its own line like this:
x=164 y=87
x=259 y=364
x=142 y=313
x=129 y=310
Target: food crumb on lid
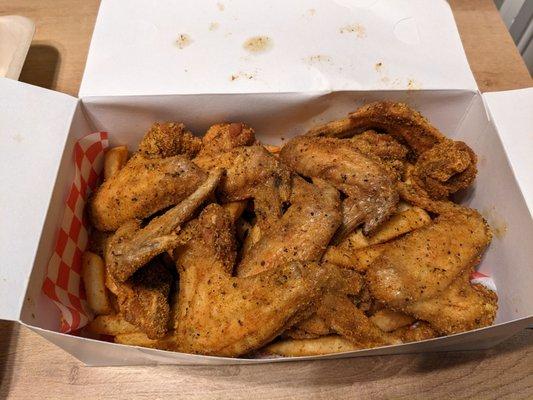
x=258 y=44
x=183 y=40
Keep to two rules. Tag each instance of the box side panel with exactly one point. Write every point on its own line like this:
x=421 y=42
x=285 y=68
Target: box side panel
x=512 y=114
x=496 y=194
x=99 y=353
x=38 y=309
x=34 y=124
x=275 y=117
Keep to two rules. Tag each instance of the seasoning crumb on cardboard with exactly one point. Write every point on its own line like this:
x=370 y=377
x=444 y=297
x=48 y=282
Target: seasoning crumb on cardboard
x=318 y=58
x=358 y=29
x=258 y=44
x=183 y=40
x=241 y=75
x=413 y=85
x=311 y=12
x=18 y=138
x=220 y=6
x=378 y=66
x=213 y=26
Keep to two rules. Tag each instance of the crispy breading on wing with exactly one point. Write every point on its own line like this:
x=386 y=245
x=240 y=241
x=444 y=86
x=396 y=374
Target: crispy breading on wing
x=461 y=307
x=420 y=330
x=143 y=299
x=131 y=247
x=167 y=140
x=424 y=262
x=388 y=320
x=311 y=327
x=370 y=187
x=224 y=137
x=400 y=121
x=222 y=315
x=301 y=234
x=444 y=169
x=391 y=152
x=143 y=187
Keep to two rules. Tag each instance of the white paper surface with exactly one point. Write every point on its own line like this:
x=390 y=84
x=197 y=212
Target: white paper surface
x=314 y=45
x=512 y=113
x=16 y=33
x=34 y=124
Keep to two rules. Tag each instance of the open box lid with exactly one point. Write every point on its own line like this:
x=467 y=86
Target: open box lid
x=34 y=125
x=188 y=46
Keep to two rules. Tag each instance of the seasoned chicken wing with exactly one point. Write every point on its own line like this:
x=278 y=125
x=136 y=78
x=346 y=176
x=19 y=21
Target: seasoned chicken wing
x=156 y=177
x=302 y=233
x=370 y=187
x=222 y=315
x=461 y=307
x=132 y=247
x=424 y=262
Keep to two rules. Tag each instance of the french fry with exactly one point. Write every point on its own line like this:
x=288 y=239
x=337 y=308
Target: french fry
x=136 y=339
x=111 y=325
x=346 y=254
x=93 y=274
x=389 y=320
x=114 y=160
x=310 y=347
x=273 y=149
x=235 y=209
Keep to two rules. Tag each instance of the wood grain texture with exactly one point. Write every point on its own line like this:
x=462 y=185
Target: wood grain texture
x=31 y=367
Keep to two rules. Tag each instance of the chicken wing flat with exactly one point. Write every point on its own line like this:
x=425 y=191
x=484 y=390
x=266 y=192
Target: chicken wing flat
x=370 y=187
x=461 y=307
x=131 y=247
x=143 y=299
x=222 y=315
x=424 y=262
x=302 y=233
x=310 y=346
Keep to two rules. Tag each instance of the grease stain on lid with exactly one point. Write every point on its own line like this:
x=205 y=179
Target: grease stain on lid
x=258 y=44
x=213 y=26
x=221 y=6
x=183 y=40
x=358 y=29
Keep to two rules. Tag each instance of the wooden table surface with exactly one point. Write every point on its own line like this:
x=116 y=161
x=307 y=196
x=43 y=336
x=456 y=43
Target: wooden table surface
x=31 y=367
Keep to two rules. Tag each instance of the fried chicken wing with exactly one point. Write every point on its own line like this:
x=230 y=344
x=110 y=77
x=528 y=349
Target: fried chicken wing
x=310 y=346
x=221 y=138
x=302 y=233
x=444 y=169
x=370 y=187
x=131 y=247
x=143 y=299
x=167 y=140
x=424 y=262
x=222 y=315
x=461 y=307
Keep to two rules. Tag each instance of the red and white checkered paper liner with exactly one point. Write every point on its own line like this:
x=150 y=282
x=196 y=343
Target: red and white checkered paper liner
x=63 y=283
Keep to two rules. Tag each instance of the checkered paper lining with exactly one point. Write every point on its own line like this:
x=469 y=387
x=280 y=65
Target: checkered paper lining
x=63 y=283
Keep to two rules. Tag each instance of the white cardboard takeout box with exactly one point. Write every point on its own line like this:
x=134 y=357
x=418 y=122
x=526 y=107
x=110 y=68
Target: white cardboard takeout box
x=137 y=73
x=16 y=33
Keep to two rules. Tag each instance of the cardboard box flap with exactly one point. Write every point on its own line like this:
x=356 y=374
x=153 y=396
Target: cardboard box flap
x=512 y=113
x=238 y=46
x=34 y=124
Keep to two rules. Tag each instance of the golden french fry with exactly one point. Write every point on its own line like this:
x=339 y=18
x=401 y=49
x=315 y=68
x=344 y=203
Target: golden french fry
x=346 y=254
x=235 y=208
x=310 y=347
x=93 y=274
x=389 y=320
x=111 y=325
x=136 y=339
x=273 y=149
x=114 y=159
